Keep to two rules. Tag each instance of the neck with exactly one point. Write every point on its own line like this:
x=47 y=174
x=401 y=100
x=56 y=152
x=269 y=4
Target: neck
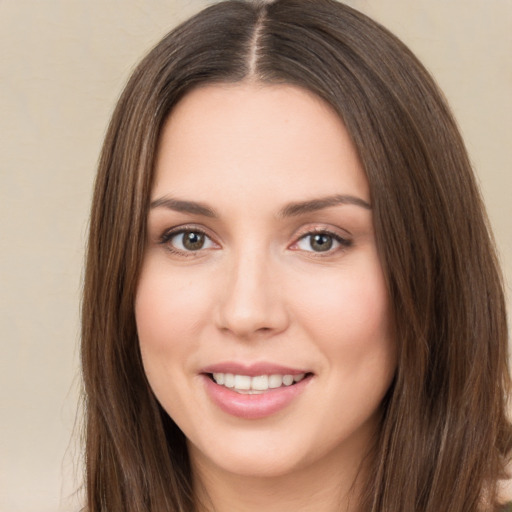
x=331 y=487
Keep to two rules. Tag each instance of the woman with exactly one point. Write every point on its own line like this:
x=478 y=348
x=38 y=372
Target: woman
x=291 y=296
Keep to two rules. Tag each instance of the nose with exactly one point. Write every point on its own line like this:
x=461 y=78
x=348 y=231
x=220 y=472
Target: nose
x=252 y=302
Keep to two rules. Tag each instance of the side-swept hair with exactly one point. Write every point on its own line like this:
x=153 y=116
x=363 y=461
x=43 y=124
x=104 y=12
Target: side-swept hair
x=444 y=437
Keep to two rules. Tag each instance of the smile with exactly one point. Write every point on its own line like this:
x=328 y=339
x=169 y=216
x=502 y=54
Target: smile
x=245 y=384
x=254 y=391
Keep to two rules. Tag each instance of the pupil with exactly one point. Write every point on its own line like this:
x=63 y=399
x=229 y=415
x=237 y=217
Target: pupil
x=321 y=242
x=193 y=241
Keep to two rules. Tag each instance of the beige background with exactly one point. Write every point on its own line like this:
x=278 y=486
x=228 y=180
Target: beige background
x=62 y=66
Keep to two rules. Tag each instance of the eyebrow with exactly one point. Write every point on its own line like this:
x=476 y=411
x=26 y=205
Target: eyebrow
x=290 y=210
x=313 y=205
x=184 y=206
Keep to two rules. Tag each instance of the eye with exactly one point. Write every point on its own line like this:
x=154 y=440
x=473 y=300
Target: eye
x=187 y=240
x=321 y=242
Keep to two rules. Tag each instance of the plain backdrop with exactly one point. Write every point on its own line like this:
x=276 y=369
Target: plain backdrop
x=62 y=66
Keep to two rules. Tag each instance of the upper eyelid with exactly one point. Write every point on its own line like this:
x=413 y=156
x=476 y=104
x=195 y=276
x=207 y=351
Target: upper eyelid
x=322 y=228
x=340 y=239
x=176 y=230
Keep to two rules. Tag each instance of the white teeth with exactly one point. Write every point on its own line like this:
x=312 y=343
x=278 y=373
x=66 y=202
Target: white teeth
x=288 y=380
x=255 y=385
x=229 y=380
x=275 y=381
x=219 y=378
x=242 y=382
x=260 y=383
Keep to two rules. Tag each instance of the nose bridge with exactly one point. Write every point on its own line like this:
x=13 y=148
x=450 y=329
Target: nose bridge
x=251 y=300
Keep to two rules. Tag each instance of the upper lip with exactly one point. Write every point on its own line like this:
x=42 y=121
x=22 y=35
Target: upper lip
x=252 y=369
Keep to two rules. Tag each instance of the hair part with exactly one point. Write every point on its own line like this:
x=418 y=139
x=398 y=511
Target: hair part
x=444 y=437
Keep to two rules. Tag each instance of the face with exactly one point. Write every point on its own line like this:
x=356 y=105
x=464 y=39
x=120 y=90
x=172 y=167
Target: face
x=262 y=310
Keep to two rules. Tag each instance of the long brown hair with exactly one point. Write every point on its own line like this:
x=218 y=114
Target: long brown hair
x=444 y=436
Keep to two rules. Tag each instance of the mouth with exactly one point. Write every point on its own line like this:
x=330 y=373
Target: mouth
x=256 y=390
x=257 y=384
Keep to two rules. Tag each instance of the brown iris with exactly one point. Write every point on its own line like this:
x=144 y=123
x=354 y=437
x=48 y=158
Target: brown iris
x=193 y=241
x=321 y=243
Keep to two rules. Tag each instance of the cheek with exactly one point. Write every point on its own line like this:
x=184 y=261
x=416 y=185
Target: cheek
x=168 y=307
x=170 y=311
x=351 y=306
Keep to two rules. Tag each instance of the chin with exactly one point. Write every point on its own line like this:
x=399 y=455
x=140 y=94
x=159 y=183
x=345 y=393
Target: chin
x=251 y=461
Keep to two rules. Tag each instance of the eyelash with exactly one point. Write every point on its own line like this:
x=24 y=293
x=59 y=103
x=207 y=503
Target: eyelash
x=170 y=234
x=167 y=236
x=344 y=243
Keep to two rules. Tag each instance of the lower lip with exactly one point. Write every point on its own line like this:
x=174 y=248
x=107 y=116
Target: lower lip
x=252 y=407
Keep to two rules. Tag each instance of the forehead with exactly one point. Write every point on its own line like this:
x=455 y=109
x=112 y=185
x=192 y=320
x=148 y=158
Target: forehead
x=249 y=137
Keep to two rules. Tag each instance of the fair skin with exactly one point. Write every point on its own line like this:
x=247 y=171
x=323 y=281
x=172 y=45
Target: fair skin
x=261 y=261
